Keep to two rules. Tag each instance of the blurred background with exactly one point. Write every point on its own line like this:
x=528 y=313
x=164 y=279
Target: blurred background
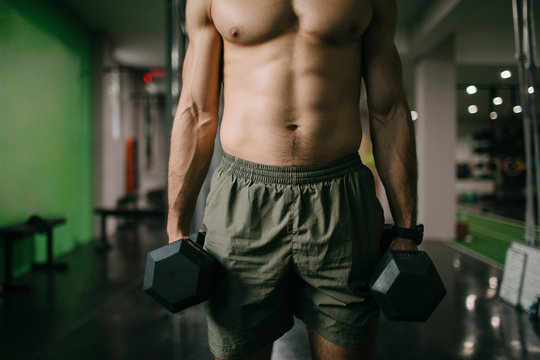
x=88 y=90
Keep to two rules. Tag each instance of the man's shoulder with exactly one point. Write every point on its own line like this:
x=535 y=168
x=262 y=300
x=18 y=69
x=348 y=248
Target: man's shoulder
x=199 y=11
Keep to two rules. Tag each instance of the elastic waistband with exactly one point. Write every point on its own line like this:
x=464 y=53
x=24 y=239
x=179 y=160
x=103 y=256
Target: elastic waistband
x=290 y=175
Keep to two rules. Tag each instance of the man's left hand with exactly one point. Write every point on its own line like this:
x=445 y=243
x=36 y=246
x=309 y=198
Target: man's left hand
x=403 y=244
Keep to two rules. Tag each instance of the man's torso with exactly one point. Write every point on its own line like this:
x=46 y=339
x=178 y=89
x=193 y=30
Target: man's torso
x=292 y=75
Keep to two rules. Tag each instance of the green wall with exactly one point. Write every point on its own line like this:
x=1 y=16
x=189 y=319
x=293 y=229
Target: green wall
x=45 y=124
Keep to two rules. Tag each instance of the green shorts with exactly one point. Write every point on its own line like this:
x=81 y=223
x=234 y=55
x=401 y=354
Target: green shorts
x=293 y=241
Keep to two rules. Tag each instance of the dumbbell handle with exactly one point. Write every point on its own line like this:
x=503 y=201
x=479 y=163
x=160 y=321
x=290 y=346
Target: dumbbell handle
x=386 y=238
x=201 y=236
x=198 y=237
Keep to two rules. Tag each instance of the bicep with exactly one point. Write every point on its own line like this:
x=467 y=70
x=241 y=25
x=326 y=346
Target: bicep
x=381 y=64
x=201 y=70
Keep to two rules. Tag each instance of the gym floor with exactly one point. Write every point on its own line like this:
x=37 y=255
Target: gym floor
x=97 y=310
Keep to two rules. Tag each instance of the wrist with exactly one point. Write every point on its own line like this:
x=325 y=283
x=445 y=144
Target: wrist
x=406 y=222
x=176 y=234
x=415 y=234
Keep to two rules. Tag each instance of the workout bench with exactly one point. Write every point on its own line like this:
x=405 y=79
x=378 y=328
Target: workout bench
x=10 y=234
x=131 y=214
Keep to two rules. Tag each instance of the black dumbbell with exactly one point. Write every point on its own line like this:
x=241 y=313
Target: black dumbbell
x=406 y=283
x=180 y=274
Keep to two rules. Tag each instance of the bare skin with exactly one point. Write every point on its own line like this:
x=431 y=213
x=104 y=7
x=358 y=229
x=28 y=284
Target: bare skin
x=291 y=73
x=322 y=349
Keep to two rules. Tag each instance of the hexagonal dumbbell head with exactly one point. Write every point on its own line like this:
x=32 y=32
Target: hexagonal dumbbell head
x=407 y=286
x=179 y=275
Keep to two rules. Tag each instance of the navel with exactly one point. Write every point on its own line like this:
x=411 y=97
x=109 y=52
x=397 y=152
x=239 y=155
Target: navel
x=292 y=127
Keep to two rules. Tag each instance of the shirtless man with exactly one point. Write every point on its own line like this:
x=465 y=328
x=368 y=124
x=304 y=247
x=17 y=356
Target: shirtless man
x=292 y=215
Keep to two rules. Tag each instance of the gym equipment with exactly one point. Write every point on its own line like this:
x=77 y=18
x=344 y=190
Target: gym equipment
x=37 y=222
x=513 y=166
x=525 y=40
x=9 y=234
x=180 y=274
x=130 y=214
x=405 y=283
x=492 y=168
x=462 y=228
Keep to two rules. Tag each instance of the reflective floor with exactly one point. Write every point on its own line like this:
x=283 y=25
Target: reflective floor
x=97 y=310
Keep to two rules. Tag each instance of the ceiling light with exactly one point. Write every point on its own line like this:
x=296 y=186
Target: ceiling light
x=473 y=109
x=414 y=115
x=517 y=109
x=468 y=348
x=470 y=302
x=497 y=100
x=493 y=115
x=471 y=89
x=506 y=74
x=495 y=322
x=491 y=293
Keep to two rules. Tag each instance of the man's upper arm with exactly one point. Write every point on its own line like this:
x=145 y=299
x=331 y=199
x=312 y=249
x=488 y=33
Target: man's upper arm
x=200 y=85
x=381 y=64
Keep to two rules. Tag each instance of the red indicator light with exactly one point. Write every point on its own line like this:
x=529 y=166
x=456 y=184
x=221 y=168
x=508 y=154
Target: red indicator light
x=147 y=77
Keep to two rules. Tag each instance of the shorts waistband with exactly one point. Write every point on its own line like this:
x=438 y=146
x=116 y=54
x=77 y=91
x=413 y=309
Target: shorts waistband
x=291 y=175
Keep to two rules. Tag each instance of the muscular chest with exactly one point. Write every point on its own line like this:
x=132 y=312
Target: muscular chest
x=249 y=22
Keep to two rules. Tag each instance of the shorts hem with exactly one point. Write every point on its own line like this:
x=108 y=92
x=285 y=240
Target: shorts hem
x=349 y=342
x=247 y=348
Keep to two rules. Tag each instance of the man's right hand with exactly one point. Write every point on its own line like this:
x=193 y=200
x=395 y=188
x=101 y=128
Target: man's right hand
x=175 y=235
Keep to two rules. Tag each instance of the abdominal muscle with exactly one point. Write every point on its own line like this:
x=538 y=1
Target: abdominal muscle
x=291 y=102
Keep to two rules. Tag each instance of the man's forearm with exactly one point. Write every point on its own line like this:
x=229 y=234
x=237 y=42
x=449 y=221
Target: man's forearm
x=192 y=145
x=394 y=149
